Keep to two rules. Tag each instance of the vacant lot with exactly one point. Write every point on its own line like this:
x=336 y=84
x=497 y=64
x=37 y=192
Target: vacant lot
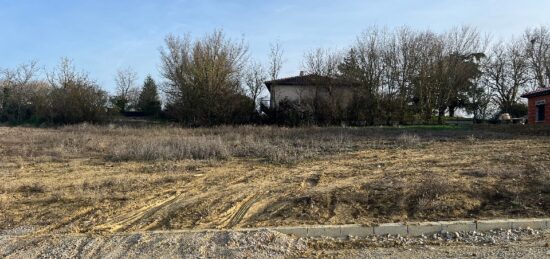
x=106 y=178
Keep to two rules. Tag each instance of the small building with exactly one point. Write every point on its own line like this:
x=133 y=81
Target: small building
x=306 y=88
x=539 y=106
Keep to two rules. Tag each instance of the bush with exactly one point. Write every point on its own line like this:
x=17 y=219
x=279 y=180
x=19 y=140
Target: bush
x=518 y=110
x=75 y=97
x=293 y=114
x=68 y=97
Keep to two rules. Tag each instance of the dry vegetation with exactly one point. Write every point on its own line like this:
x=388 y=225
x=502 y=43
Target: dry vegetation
x=107 y=178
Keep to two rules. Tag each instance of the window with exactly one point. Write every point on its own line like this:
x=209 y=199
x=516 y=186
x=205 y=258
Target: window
x=541 y=105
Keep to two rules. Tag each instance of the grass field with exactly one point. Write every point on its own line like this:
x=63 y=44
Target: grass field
x=85 y=178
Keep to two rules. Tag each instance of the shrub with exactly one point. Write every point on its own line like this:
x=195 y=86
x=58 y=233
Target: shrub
x=426 y=196
x=76 y=98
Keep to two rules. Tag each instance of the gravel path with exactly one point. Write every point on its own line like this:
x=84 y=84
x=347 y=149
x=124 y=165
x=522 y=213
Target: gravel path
x=263 y=244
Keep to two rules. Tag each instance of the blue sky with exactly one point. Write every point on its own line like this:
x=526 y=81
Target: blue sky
x=102 y=36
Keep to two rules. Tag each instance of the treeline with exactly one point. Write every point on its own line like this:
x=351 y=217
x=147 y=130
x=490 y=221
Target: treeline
x=398 y=76
x=66 y=96
x=409 y=76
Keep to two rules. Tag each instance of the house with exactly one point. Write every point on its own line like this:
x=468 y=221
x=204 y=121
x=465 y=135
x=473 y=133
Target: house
x=306 y=88
x=539 y=106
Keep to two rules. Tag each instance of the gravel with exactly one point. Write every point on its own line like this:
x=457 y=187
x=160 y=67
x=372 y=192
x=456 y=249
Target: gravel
x=153 y=245
x=510 y=243
x=517 y=243
x=499 y=236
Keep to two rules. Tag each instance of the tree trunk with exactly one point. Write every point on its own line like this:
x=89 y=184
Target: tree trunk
x=452 y=111
x=441 y=113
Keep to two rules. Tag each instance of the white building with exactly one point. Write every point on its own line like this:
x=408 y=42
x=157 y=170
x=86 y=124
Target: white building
x=307 y=88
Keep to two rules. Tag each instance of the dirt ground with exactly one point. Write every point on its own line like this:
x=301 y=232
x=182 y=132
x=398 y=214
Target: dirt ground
x=261 y=244
x=450 y=178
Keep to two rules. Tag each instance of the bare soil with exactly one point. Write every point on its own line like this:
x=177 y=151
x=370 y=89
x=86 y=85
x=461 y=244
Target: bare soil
x=52 y=183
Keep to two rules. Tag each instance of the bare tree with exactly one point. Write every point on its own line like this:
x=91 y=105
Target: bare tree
x=16 y=90
x=254 y=79
x=203 y=77
x=322 y=62
x=127 y=92
x=407 y=72
x=538 y=52
x=325 y=96
x=369 y=54
x=276 y=61
x=507 y=71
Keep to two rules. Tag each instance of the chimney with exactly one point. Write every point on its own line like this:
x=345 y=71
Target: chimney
x=302 y=73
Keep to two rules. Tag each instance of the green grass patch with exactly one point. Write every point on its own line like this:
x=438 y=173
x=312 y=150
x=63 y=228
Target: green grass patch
x=443 y=127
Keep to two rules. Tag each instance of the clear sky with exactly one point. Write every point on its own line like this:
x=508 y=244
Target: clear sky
x=102 y=36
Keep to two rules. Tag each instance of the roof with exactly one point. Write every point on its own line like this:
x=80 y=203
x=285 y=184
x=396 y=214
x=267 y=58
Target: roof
x=537 y=92
x=307 y=80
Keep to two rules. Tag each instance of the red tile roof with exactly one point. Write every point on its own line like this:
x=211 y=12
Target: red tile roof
x=537 y=92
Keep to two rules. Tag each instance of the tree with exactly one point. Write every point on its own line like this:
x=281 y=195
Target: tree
x=455 y=81
x=407 y=74
x=365 y=65
x=126 y=91
x=458 y=68
x=276 y=61
x=203 y=78
x=75 y=97
x=349 y=68
x=17 y=88
x=327 y=104
x=254 y=79
x=479 y=100
x=537 y=41
x=149 y=101
x=507 y=72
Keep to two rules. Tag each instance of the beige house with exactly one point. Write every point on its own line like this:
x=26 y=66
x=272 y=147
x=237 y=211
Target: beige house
x=308 y=88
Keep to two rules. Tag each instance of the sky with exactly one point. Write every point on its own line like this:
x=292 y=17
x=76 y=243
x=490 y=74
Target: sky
x=102 y=36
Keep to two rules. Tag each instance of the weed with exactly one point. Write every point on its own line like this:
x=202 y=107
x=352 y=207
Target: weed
x=32 y=188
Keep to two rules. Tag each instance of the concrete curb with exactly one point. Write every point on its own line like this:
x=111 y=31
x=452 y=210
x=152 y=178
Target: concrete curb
x=413 y=229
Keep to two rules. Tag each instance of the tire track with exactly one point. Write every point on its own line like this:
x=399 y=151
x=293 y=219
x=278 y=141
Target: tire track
x=238 y=216
x=68 y=221
x=126 y=221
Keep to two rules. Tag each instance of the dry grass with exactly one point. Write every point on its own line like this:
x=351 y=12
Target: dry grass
x=158 y=143
x=95 y=178
x=168 y=148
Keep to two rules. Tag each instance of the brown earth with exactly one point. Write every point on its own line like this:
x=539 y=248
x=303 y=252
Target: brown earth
x=443 y=178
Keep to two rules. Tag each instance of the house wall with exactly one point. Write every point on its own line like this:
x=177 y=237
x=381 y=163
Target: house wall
x=291 y=93
x=531 y=117
x=302 y=93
